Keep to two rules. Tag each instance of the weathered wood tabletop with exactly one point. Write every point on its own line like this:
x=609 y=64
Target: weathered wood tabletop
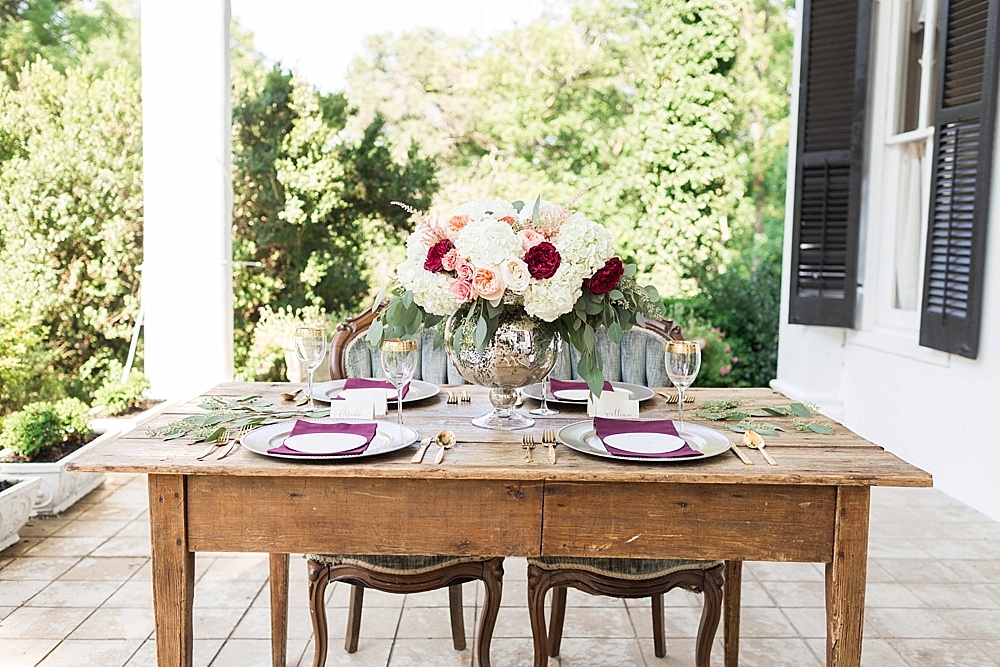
x=486 y=500
x=843 y=458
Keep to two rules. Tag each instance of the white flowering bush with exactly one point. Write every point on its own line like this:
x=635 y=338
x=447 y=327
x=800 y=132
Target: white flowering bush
x=560 y=264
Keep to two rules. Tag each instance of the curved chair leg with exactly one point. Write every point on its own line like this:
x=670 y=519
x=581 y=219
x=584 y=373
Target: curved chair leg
x=711 y=613
x=557 y=616
x=457 y=616
x=493 y=582
x=354 y=618
x=538 y=584
x=659 y=636
x=731 y=612
x=319 y=577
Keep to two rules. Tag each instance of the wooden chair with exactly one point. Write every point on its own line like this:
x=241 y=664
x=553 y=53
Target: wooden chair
x=350 y=357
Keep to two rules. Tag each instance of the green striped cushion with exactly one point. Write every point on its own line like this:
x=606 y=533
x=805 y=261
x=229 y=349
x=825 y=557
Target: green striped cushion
x=623 y=568
x=394 y=564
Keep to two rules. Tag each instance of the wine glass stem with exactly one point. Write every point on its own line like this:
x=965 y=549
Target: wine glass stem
x=312 y=399
x=680 y=405
x=545 y=394
x=399 y=404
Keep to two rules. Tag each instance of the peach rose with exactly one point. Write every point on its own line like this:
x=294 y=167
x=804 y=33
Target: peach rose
x=449 y=260
x=461 y=290
x=464 y=269
x=454 y=225
x=488 y=284
x=515 y=274
x=529 y=238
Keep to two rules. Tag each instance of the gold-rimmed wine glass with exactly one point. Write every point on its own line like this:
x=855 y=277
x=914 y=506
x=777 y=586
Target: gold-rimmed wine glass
x=683 y=361
x=310 y=350
x=399 y=361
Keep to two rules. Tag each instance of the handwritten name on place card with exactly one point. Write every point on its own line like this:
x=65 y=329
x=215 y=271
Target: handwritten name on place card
x=613 y=405
x=352 y=408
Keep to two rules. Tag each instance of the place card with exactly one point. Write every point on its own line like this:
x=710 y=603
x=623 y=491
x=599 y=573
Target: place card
x=353 y=408
x=377 y=397
x=613 y=405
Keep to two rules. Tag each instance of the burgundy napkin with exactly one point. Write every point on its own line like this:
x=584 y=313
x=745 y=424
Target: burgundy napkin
x=365 y=383
x=364 y=429
x=606 y=427
x=565 y=385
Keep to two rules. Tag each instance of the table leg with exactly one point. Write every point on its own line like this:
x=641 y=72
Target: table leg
x=732 y=591
x=279 y=609
x=845 y=578
x=173 y=570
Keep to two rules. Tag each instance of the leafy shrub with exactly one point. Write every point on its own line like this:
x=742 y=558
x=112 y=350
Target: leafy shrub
x=39 y=425
x=717 y=359
x=118 y=397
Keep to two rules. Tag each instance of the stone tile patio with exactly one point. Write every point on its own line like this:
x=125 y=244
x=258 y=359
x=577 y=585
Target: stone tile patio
x=76 y=591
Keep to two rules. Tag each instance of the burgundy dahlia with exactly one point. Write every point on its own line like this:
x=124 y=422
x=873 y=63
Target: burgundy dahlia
x=542 y=259
x=607 y=277
x=434 y=255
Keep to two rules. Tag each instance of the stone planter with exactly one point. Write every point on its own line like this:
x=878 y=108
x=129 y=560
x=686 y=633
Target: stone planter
x=15 y=508
x=59 y=488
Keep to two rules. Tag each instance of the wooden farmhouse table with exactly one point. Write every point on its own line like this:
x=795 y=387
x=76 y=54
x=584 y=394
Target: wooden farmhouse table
x=485 y=500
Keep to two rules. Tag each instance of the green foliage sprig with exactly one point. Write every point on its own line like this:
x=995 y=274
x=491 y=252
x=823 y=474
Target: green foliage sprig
x=731 y=409
x=229 y=414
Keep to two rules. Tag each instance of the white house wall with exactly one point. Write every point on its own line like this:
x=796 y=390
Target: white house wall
x=937 y=411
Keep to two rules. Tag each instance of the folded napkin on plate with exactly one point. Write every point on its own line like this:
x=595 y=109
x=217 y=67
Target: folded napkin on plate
x=555 y=386
x=364 y=429
x=365 y=383
x=606 y=427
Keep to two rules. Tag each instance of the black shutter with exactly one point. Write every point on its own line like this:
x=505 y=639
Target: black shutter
x=963 y=154
x=833 y=93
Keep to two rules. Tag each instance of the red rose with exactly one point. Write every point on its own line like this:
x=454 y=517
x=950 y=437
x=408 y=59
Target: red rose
x=434 y=255
x=607 y=277
x=542 y=259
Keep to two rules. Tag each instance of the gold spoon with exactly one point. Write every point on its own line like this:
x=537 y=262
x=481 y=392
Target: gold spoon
x=445 y=440
x=753 y=440
x=419 y=456
x=289 y=395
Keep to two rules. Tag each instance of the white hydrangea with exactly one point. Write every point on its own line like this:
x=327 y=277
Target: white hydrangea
x=584 y=243
x=552 y=298
x=488 y=242
x=430 y=290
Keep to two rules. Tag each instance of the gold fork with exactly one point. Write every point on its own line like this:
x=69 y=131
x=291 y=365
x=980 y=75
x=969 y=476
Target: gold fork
x=527 y=444
x=452 y=398
x=237 y=441
x=549 y=440
x=221 y=442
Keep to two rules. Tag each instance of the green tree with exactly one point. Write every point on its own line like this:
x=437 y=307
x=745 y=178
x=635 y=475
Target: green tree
x=70 y=222
x=312 y=198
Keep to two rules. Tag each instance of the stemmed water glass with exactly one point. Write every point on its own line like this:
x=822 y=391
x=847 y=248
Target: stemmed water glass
x=310 y=350
x=544 y=408
x=399 y=361
x=683 y=359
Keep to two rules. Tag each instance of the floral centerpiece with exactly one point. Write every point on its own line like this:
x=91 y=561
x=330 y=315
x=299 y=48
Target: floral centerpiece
x=489 y=253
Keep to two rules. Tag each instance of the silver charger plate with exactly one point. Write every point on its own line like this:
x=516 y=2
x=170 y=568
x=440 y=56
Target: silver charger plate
x=582 y=437
x=419 y=390
x=389 y=437
x=636 y=393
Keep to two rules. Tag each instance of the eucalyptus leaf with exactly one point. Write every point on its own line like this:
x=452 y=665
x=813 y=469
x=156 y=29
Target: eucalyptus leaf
x=216 y=435
x=518 y=205
x=737 y=428
x=616 y=295
x=480 y=334
x=407 y=298
x=615 y=332
x=799 y=410
x=825 y=429
x=777 y=411
x=380 y=296
x=535 y=210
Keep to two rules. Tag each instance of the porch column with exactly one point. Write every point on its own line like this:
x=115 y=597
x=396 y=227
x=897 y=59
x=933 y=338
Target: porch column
x=187 y=265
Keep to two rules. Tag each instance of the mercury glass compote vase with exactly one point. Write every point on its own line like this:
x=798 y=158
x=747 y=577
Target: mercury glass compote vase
x=521 y=351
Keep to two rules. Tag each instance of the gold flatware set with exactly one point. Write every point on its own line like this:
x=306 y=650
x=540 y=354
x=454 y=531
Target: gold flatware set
x=752 y=440
x=454 y=398
x=231 y=437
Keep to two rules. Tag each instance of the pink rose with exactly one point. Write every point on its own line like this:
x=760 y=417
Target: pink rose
x=464 y=269
x=449 y=260
x=509 y=220
x=607 y=277
x=529 y=238
x=461 y=290
x=543 y=260
x=487 y=284
x=434 y=255
x=455 y=224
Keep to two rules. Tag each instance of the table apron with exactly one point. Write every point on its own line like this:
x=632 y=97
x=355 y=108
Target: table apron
x=704 y=521
x=363 y=515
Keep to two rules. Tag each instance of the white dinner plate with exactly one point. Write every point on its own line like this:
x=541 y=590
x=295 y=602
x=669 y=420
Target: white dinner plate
x=645 y=443
x=582 y=437
x=389 y=437
x=636 y=392
x=419 y=390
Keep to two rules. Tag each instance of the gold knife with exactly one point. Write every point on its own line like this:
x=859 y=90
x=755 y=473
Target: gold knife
x=419 y=456
x=743 y=457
